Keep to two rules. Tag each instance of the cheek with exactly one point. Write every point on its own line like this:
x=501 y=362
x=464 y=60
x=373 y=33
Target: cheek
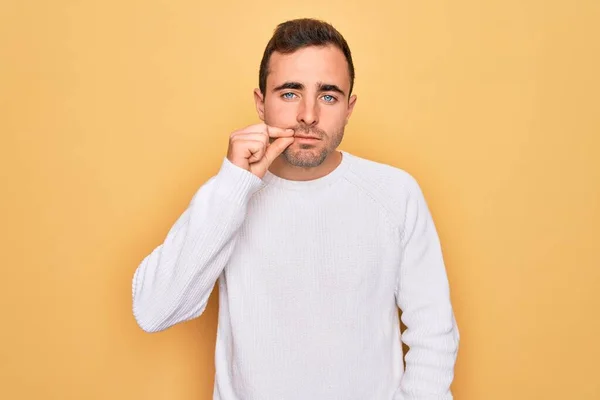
x=333 y=117
x=279 y=113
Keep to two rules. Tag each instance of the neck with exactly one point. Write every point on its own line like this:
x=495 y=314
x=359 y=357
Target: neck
x=285 y=170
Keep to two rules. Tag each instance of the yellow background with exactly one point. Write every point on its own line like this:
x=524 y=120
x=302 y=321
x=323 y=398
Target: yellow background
x=113 y=113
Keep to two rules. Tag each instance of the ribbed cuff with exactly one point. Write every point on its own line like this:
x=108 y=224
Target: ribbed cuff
x=235 y=183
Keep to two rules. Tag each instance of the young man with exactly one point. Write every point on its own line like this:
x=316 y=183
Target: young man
x=314 y=250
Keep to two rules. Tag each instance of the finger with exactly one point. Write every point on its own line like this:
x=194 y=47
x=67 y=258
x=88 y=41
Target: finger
x=245 y=132
x=256 y=128
x=256 y=156
x=262 y=137
x=253 y=150
x=276 y=148
x=275 y=132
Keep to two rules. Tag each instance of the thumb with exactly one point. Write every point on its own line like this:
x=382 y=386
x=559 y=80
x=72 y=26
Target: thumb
x=275 y=149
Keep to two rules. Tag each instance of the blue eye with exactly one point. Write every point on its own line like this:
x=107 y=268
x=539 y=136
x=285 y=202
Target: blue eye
x=329 y=98
x=288 y=95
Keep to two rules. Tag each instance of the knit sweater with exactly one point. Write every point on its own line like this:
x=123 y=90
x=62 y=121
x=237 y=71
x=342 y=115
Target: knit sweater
x=311 y=275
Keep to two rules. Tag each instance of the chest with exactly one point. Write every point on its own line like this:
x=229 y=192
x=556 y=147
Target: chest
x=313 y=249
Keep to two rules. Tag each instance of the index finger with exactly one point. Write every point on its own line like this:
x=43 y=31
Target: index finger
x=275 y=132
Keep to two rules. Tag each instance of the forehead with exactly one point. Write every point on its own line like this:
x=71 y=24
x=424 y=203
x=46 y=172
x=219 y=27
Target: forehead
x=309 y=65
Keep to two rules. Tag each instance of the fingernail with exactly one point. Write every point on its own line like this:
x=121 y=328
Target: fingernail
x=289 y=130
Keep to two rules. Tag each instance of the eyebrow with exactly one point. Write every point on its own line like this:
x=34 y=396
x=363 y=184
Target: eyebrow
x=321 y=87
x=327 y=87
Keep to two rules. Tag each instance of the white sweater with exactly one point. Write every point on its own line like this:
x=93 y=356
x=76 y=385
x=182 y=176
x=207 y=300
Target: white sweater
x=310 y=276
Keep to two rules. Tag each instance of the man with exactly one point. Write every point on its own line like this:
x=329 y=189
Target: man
x=314 y=250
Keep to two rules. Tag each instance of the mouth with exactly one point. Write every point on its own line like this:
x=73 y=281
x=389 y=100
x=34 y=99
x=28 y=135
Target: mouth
x=304 y=137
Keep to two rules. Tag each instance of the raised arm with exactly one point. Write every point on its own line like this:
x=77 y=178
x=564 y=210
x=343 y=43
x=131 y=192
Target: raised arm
x=172 y=284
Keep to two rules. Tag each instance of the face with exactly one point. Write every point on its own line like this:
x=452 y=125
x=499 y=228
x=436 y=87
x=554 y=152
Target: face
x=308 y=91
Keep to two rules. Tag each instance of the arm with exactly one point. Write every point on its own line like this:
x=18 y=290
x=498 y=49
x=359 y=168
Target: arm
x=172 y=284
x=423 y=295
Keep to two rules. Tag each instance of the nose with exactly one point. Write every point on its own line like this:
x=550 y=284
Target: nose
x=308 y=112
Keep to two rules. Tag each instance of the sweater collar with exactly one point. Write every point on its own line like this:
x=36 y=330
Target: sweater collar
x=271 y=179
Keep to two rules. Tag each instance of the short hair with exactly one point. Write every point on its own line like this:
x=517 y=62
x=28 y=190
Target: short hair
x=292 y=35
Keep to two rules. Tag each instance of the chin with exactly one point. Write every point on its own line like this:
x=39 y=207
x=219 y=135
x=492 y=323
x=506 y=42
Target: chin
x=304 y=156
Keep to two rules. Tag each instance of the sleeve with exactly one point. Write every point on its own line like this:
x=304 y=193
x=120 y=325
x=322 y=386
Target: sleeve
x=423 y=295
x=172 y=284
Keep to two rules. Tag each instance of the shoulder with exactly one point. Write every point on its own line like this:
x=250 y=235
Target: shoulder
x=372 y=175
x=388 y=185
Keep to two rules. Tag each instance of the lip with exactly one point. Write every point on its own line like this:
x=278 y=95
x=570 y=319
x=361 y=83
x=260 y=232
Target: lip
x=306 y=137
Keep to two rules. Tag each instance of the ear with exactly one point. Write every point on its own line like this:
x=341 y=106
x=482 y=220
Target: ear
x=259 y=100
x=351 y=103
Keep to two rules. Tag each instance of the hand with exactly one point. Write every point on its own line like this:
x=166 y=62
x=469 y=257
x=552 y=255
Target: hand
x=251 y=148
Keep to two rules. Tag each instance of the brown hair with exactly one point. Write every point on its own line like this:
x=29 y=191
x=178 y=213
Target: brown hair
x=292 y=35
